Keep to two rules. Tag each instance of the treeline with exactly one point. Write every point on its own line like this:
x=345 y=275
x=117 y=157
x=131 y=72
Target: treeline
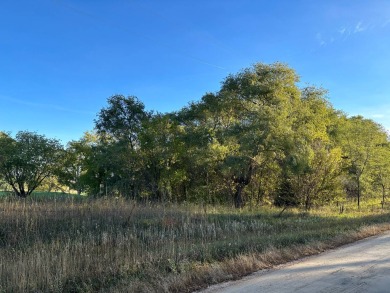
x=260 y=139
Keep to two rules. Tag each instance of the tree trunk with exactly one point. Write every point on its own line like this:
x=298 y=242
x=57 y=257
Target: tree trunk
x=307 y=202
x=21 y=194
x=358 y=192
x=241 y=183
x=238 y=201
x=383 y=196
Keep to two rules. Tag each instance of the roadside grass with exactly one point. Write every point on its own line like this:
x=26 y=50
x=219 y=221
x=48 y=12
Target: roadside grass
x=78 y=244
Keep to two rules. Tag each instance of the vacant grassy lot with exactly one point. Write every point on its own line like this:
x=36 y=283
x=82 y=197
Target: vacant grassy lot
x=114 y=245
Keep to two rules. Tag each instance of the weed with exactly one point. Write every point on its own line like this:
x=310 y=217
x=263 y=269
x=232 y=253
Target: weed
x=70 y=244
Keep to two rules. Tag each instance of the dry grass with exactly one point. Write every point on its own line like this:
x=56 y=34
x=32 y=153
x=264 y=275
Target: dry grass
x=114 y=245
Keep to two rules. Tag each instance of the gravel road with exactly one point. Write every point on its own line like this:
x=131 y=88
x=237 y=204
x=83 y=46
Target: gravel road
x=363 y=266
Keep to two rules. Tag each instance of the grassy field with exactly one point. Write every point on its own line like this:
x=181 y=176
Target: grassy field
x=70 y=244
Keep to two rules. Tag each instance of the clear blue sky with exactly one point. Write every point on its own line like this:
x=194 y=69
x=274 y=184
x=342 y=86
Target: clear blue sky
x=61 y=59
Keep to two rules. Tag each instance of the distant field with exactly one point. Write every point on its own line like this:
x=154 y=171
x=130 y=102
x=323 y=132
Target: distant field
x=37 y=195
x=62 y=243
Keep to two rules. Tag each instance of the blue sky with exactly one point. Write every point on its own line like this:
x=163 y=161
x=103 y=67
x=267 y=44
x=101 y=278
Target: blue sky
x=61 y=59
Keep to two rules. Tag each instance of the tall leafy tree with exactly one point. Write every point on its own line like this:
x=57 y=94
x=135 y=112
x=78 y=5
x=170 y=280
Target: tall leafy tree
x=263 y=99
x=313 y=160
x=161 y=153
x=380 y=170
x=360 y=138
x=241 y=127
x=27 y=160
x=202 y=127
x=122 y=120
x=74 y=165
x=98 y=164
x=119 y=126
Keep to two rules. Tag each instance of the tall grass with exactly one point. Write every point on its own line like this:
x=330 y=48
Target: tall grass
x=75 y=244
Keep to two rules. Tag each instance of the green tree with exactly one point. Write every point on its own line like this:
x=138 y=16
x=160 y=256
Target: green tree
x=203 y=125
x=161 y=150
x=263 y=99
x=27 y=160
x=119 y=127
x=93 y=165
x=380 y=170
x=240 y=128
x=122 y=120
x=313 y=159
x=73 y=170
x=360 y=140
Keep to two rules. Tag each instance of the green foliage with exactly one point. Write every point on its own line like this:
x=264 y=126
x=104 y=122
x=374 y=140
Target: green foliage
x=362 y=141
x=379 y=168
x=27 y=160
x=74 y=165
x=260 y=139
x=122 y=119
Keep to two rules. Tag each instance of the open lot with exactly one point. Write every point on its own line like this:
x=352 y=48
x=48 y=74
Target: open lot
x=75 y=244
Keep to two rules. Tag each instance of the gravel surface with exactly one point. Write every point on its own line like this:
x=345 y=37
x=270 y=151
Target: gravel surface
x=363 y=266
